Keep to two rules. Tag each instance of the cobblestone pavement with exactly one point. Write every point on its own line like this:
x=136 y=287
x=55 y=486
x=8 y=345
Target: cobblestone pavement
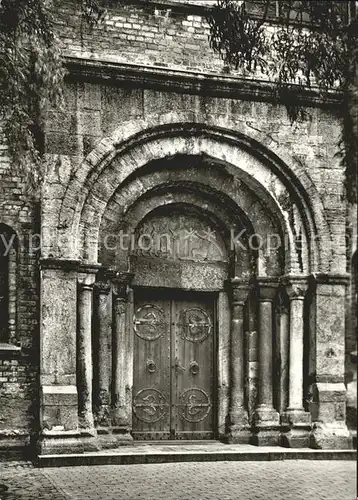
x=284 y=480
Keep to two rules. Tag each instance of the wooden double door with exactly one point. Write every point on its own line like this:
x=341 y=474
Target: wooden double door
x=174 y=368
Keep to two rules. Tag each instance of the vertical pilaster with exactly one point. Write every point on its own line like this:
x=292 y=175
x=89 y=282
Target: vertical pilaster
x=59 y=431
x=122 y=351
x=239 y=431
x=328 y=406
x=266 y=418
x=295 y=421
x=86 y=278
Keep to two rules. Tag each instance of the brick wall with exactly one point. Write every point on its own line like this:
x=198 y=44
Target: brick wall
x=19 y=370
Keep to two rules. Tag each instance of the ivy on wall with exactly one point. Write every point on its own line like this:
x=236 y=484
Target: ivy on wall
x=31 y=79
x=305 y=44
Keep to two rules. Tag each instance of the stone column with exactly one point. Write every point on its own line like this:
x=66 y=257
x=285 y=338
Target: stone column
x=59 y=401
x=239 y=429
x=103 y=332
x=328 y=406
x=284 y=320
x=86 y=278
x=295 y=421
x=266 y=418
x=122 y=354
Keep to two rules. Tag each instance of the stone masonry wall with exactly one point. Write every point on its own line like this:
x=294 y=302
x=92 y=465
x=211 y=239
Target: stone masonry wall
x=148 y=35
x=19 y=370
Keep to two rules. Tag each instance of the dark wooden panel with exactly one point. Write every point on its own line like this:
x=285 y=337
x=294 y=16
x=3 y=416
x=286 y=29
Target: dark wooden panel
x=193 y=340
x=151 y=378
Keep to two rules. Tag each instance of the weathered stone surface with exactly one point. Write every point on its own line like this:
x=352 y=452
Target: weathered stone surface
x=139 y=137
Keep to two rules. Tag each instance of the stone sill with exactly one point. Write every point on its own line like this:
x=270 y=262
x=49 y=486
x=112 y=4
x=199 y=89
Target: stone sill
x=9 y=349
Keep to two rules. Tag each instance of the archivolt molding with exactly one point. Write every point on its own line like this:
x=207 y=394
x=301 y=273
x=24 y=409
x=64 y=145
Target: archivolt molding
x=129 y=206
x=257 y=159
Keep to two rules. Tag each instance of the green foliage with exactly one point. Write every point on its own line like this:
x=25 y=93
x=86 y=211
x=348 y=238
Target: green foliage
x=31 y=79
x=303 y=44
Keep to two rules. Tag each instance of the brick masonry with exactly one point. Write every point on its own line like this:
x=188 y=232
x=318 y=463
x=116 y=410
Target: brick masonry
x=170 y=38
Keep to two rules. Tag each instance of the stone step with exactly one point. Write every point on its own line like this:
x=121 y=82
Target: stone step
x=157 y=452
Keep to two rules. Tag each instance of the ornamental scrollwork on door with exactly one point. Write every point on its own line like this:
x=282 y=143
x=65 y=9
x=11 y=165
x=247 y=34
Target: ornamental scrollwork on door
x=194 y=405
x=150 y=405
x=195 y=325
x=148 y=322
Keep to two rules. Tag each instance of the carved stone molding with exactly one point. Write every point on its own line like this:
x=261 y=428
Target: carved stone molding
x=61 y=264
x=181 y=80
x=296 y=286
x=267 y=288
x=240 y=290
x=121 y=282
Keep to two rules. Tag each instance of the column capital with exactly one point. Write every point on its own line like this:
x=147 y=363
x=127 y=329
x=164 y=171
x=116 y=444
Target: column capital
x=240 y=290
x=122 y=281
x=104 y=280
x=267 y=287
x=86 y=275
x=296 y=286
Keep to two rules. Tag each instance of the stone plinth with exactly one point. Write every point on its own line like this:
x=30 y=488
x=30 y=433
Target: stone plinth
x=59 y=430
x=328 y=406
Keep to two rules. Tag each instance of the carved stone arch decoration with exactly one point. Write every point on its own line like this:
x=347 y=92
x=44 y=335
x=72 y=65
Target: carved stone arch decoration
x=241 y=210
x=268 y=170
x=231 y=221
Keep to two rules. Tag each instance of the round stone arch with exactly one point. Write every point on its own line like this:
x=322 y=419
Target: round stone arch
x=134 y=145
x=132 y=203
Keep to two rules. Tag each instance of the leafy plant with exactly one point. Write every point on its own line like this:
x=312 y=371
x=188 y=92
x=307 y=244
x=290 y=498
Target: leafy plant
x=31 y=79
x=295 y=44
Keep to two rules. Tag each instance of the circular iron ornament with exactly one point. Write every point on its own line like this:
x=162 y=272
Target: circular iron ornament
x=151 y=366
x=194 y=367
x=150 y=405
x=148 y=322
x=194 y=405
x=196 y=324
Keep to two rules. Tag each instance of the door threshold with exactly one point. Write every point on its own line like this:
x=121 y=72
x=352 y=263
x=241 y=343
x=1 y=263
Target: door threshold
x=178 y=442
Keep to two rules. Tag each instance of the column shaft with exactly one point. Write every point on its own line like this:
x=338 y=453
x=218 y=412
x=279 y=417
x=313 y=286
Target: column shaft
x=84 y=356
x=237 y=353
x=265 y=353
x=119 y=362
x=295 y=421
x=121 y=417
x=296 y=354
x=239 y=423
x=104 y=325
x=266 y=418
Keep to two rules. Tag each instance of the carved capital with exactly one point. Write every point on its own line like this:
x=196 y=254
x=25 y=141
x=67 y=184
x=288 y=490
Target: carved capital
x=122 y=281
x=86 y=281
x=296 y=286
x=104 y=281
x=240 y=290
x=267 y=288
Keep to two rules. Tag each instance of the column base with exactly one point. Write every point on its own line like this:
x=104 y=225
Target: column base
x=239 y=431
x=89 y=440
x=106 y=439
x=266 y=427
x=59 y=444
x=295 y=429
x=331 y=436
x=123 y=436
x=238 y=435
